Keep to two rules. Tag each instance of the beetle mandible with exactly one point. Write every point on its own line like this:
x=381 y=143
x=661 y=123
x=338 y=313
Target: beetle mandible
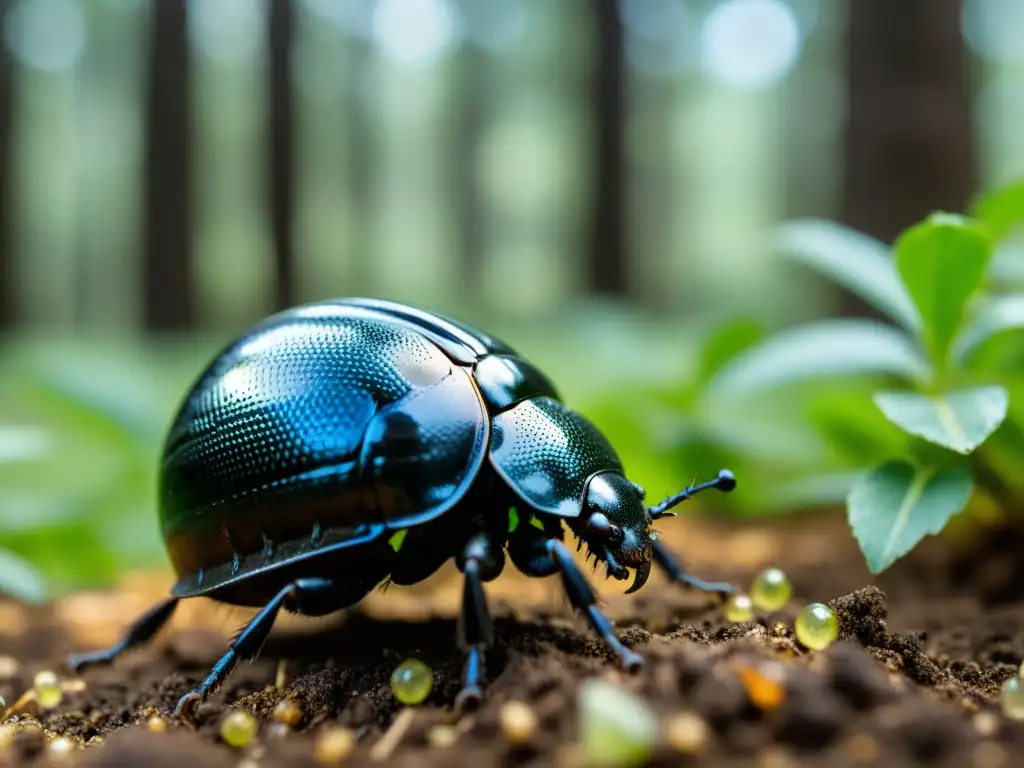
x=348 y=443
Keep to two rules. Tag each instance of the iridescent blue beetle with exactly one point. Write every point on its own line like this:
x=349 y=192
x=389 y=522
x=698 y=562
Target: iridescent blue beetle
x=346 y=443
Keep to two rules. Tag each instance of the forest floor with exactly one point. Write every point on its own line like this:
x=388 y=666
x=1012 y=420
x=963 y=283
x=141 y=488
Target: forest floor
x=914 y=679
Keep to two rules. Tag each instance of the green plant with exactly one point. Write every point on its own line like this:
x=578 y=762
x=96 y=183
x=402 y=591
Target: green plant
x=943 y=375
x=667 y=434
x=80 y=431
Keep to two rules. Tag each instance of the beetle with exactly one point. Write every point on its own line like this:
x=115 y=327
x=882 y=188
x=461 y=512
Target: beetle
x=345 y=444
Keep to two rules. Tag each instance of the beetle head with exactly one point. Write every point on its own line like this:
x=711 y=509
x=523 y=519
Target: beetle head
x=618 y=521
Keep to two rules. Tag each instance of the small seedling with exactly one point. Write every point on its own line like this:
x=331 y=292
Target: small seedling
x=929 y=421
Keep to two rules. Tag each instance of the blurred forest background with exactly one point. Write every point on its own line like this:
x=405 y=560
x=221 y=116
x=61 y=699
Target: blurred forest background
x=596 y=181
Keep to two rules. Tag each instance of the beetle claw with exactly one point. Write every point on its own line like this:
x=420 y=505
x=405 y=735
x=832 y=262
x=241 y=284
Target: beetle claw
x=468 y=700
x=187 y=704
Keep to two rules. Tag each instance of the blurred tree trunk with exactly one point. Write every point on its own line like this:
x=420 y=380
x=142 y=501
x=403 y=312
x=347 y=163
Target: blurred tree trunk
x=608 y=267
x=6 y=118
x=280 y=149
x=167 y=272
x=361 y=159
x=909 y=143
x=472 y=112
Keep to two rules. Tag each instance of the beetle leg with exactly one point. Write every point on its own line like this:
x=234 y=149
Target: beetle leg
x=249 y=640
x=664 y=557
x=582 y=596
x=528 y=552
x=142 y=630
x=482 y=560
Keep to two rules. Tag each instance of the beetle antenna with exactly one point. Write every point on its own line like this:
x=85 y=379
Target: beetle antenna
x=725 y=482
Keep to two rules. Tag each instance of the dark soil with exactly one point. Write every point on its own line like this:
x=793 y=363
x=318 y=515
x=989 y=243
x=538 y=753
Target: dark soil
x=914 y=679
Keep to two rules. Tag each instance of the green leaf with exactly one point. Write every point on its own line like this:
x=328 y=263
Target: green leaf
x=960 y=421
x=724 y=343
x=858 y=262
x=19 y=579
x=1004 y=313
x=1002 y=208
x=827 y=348
x=942 y=262
x=896 y=504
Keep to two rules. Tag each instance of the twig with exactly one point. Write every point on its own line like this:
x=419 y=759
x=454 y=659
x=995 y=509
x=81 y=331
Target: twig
x=387 y=743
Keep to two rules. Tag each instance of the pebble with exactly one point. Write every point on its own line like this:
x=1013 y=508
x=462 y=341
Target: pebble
x=687 y=733
x=986 y=723
x=442 y=736
x=334 y=744
x=764 y=685
x=861 y=748
x=988 y=754
x=61 y=748
x=288 y=712
x=9 y=667
x=518 y=723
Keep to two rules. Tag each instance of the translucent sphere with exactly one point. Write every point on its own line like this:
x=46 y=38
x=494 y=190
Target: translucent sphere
x=239 y=728
x=771 y=590
x=739 y=608
x=412 y=681
x=817 y=626
x=48 y=690
x=1012 y=698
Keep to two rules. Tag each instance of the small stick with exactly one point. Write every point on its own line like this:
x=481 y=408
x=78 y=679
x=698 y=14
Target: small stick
x=21 y=703
x=387 y=743
x=282 y=675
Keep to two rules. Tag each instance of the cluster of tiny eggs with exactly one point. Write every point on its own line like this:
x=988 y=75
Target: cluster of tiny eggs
x=816 y=626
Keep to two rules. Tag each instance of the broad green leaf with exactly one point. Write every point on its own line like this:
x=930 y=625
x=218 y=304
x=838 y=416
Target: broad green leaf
x=1002 y=208
x=895 y=505
x=724 y=343
x=844 y=347
x=958 y=420
x=1003 y=313
x=19 y=579
x=942 y=262
x=858 y=262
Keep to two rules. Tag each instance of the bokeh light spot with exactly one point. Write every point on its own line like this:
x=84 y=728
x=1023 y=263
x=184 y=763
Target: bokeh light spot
x=750 y=43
